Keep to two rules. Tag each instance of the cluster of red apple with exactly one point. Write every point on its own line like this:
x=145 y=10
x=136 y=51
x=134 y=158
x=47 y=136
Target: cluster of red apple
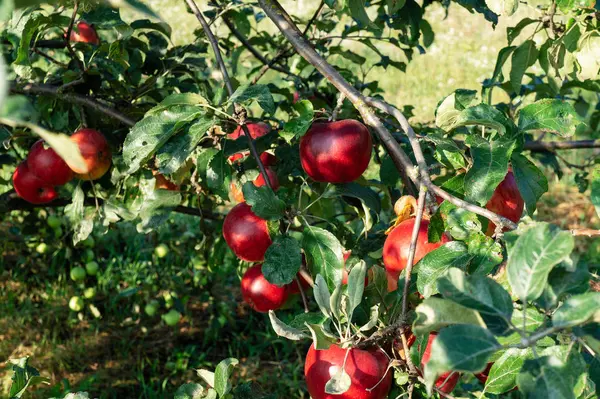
x=37 y=176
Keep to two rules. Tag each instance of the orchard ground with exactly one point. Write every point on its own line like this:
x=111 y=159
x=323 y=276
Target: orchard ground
x=125 y=352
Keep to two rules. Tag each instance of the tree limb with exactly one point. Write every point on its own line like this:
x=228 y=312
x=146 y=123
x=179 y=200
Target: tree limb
x=86 y=101
x=540 y=146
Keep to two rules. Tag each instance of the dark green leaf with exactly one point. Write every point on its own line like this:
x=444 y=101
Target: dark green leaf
x=523 y=57
x=512 y=33
x=323 y=254
x=549 y=115
x=531 y=182
x=222 y=375
x=503 y=374
x=436 y=263
x=484 y=115
x=282 y=260
x=503 y=55
x=259 y=93
x=218 y=175
x=578 y=309
x=264 y=202
x=298 y=126
x=451 y=106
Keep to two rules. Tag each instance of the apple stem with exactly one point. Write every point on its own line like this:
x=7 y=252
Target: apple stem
x=338 y=106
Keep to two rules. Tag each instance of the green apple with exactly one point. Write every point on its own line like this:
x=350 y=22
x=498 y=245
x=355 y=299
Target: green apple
x=76 y=304
x=77 y=273
x=90 y=292
x=42 y=248
x=172 y=317
x=88 y=255
x=89 y=242
x=53 y=221
x=151 y=308
x=92 y=268
x=58 y=232
x=161 y=251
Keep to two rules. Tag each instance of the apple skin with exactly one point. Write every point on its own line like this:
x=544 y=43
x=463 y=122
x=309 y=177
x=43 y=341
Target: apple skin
x=85 y=34
x=261 y=295
x=506 y=201
x=31 y=188
x=237 y=192
x=447 y=381
x=162 y=183
x=46 y=164
x=246 y=234
x=95 y=152
x=256 y=130
x=397 y=247
x=365 y=368
x=483 y=376
x=336 y=152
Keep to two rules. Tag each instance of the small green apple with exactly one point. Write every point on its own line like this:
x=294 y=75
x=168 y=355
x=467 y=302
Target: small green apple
x=90 y=292
x=42 y=248
x=58 y=232
x=172 y=317
x=151 y=308
x=89 y=242
x=53 y=221
x=76 y=304
x=161 y=251
x=88 y=255
x=78 y=273
x=92 y=268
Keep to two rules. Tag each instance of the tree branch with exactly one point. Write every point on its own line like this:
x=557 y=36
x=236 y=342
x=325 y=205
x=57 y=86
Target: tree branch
x=86 y=101
x=540 y=146
x=402 y=162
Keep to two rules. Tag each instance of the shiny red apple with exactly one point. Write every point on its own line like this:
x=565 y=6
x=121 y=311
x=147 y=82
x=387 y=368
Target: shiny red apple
x=246 y=234
x=447 y=381
x=85 y=33
x=506 y=201
x=336 y=152
x=261 y=295
x=397 y=247
x=95 y=152
x=46 y=164
x=367 y=370
x=30 y=187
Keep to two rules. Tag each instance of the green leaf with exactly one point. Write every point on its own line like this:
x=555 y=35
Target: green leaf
x=484 y=115
x=578 y=309
x=218 y=175
x=259 y=93
x=161 y=27
x=222 y=375
x=323 y=254
x=154 y=206
x=485 y=254
x=298 y=125
x=368 y=200
x=282 y=260
x=134 y=5
x=562 y=281
x=523 y=57
x=514 y=32
x=82 y=223
x=32 y=28
x=284 y=330
x=490 y=165
x=265 y=204
x=549 y=115
x=395 y=5
x=434 y=313
x=568 y=5
x=339 y=383
x=16 y=107
x=476 y=292
x=460 y=223
x=446 y=151
x=358 y=12
x=461 y=347
x=322 y=296
x=531 y=182
x=321 y=341
x=503 y=374
x=451 y=106
x=356 y=287
x=152 y=132
x=23 y=376
x=533 y=256
x=191 y=99
x=533 y=319
x=190 y=391
x=176 y=151
x=436 y=263
x=595 y=188
x=503 y=55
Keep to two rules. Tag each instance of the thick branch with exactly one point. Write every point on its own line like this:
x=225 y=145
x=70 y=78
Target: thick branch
x=86 y=101
x=539 y=146
x=402 y=162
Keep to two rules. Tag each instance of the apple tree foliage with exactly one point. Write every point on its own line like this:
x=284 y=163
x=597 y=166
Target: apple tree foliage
x=522 y=300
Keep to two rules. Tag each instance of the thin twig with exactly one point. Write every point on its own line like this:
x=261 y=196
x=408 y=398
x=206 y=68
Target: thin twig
x=338 y=106
x=68 y=37
x=49 y=58
x=302 y=294
x=72 y=98
x=539 y=146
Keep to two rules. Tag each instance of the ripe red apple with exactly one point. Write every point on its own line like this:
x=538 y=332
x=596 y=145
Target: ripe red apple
x=483 y=376
x=30 y=187
x=397 y=247
x=237 y=193
x=336 y=152
x=256 y=130
x=447 y=381
x=46 y=164
x=345 y=271
x=506 y=201
x=95 y=152
x=246 y=234
x=162 y=183
x=85 y=33
x=365 y=368
x=261 y=295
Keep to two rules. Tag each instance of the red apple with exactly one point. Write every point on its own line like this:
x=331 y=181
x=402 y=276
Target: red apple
x=30 y=187
x=246 y=234
x=365 y=368
x=397 y=247
x=336 y=152
x=85 y=33
x=483 y=376
x=46 y=164
x=261 y=295
x=256 y=130
x=237 y=193
x=447 y=381
x=506 y=201
x=162 y=183
x=95 y=152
